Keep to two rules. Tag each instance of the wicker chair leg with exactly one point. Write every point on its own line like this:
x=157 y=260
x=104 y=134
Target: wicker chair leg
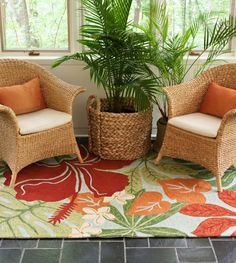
x=79 y=155
x=218 y=182
x=13 y=179
x=158 y=159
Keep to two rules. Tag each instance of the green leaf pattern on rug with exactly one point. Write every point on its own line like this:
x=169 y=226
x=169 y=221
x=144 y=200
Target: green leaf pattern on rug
x=133 y=225
x=30 y=219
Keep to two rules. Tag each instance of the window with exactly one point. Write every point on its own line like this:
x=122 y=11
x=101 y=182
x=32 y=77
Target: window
x=183 y=12
x=52 y=25
x=137 y=9
x=34 y=24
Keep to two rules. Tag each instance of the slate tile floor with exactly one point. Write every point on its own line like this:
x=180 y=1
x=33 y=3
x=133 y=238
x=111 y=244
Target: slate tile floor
x=140 y=250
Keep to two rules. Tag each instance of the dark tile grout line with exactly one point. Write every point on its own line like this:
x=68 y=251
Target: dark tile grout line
x=212 y=247
x=186 y=242
x=37 y=244
x=61 y=251
x=161 y=247
x=176 y=255
x=30 y=248
x=99 y=251
x=22 y=255
x=124 y=244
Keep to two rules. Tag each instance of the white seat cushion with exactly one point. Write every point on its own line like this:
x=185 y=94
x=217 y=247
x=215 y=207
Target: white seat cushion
x=41 y=120
x=198 y=123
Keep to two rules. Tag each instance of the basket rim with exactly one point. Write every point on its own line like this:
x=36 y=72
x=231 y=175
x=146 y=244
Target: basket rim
x=148 y=110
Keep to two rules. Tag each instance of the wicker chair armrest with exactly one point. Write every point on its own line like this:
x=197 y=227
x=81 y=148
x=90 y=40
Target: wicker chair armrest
x=186 y=98
x=8 y=120
x=59 y=95
x=228 y=125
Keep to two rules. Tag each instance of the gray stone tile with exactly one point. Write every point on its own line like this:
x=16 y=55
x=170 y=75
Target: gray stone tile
x=167 y=242
x=115 y=239
x=10 y=255
x=50 y=243
x=198 y=242
x=86 y=252
x=19 y=243
x=112 y=252
x=41 y=256
x=222 y=239
x=151 y=255
x=225 y=251
x=199 y=255
x=136 y=242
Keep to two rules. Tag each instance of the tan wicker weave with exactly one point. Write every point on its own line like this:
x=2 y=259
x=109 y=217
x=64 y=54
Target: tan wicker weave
x=217 y=154
x=118 y=136
x=19 y=151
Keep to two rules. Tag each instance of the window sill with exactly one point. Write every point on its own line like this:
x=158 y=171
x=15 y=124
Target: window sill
x=42 y=60
x=48 y=60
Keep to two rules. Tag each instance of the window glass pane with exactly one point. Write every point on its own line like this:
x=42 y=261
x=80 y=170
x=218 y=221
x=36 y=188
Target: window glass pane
x=35 y=24
x=137 y=9
x=183 y=12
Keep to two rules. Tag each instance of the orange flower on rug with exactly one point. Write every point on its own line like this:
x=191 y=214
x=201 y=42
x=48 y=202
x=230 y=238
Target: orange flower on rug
x=149 y=203
x=189 y=190
x=61 y=198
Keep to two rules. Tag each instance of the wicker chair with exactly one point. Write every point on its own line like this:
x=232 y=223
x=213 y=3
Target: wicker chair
x=215 y=154
x=19 y=150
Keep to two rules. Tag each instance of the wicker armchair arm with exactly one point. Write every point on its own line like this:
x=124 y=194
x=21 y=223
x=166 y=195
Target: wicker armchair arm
x=59 y=95
x=186 y=98
x=8 y=120
x=228 y=125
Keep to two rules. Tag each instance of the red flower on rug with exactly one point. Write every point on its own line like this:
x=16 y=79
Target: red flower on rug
x=214 y=226
x=189 y=190
x=149 y=203
x=54 y=182
x=229 y=197
x=218 y=223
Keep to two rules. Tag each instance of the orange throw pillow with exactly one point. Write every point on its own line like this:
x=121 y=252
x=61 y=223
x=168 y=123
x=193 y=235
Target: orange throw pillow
x=23 y=98
x=218 y=100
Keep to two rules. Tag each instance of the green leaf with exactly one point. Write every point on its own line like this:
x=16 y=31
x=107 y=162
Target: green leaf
x=61 y=158
x=134 y=218
x=30 y=219
x=119 y=218
x=151 y=173
x=163 y=232
x=135 y=181
x=204 y=175
x=155 y=219
x=228 y=177
x=3 y=168
x=114 y=233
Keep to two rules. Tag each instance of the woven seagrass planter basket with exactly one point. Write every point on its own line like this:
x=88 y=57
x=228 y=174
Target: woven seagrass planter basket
x=118 y=136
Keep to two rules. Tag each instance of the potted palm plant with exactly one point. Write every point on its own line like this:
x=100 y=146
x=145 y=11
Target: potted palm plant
x=169 y=54
x=117 y=56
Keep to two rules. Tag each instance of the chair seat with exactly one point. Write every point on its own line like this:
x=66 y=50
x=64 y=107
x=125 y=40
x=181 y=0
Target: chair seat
x=198 y=123
x=41 y=120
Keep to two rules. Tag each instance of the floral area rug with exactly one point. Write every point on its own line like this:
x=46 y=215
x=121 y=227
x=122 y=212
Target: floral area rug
x=60 y=197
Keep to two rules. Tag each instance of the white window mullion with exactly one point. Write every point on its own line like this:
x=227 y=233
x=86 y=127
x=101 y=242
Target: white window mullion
x=233 y=13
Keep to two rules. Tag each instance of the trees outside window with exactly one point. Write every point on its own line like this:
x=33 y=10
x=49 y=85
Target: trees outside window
x=44 y=24
x=183 y=12
x=34 y=24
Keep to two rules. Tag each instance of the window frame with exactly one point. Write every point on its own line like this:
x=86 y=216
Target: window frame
x=75 y=16
x=73 y=25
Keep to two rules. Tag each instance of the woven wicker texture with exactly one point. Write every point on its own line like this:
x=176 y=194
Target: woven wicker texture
x=218 y=154
x=123 y=136
x=19 y=151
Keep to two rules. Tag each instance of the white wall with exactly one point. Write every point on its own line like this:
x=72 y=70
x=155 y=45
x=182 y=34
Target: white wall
x=72 y=72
